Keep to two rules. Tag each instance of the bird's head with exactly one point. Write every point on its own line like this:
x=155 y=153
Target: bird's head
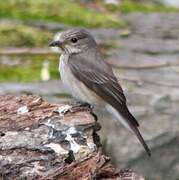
x=74 y=41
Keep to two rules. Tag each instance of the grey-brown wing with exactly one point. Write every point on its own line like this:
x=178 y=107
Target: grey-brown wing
x=104 y=84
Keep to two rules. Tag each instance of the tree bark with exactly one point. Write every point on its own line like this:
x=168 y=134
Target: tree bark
x=39 y=140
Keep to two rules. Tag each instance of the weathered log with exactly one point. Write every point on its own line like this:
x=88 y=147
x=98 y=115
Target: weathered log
x=39 y=140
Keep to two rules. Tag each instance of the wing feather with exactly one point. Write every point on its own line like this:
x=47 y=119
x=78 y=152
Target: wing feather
x=104 y=84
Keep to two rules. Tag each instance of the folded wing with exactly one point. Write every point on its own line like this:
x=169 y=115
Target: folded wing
x=104 y=84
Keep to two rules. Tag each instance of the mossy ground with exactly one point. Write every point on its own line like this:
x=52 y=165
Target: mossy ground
x=129 y=6
x=28 y=68
x=19 y=35
x=62 y=11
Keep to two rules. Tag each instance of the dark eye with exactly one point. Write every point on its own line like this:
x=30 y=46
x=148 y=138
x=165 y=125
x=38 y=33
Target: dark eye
x=74 y=40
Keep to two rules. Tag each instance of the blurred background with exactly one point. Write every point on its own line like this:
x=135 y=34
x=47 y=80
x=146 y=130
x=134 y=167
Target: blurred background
x=139 y=38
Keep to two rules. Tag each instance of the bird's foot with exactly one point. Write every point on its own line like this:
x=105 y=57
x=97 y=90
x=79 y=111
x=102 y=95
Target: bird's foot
x=75 y=107
x=79 y=105
x=83 y=106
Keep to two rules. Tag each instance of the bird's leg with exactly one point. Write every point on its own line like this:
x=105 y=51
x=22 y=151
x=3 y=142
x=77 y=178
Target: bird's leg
x=82 y=104
x=90 y=108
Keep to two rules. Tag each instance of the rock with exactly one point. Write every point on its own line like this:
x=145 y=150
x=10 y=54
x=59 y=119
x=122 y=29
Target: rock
x=163 y=160
x=146 y=64
x=156 y=25
x=171 y=3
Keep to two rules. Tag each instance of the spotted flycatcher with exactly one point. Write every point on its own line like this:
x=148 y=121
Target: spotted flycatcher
x=90 y=79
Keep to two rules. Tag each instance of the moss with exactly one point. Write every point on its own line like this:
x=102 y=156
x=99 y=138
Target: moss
x=13 y=35
x=62 y=11
x=28 y=68
x=129 y=6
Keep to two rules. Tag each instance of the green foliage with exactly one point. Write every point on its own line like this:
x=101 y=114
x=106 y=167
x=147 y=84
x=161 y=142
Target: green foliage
x=14 y=35
x=129 y=6
x=62 y=11
x=28 y=68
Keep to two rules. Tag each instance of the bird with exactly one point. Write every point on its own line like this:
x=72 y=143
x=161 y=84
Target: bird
x=89 y=78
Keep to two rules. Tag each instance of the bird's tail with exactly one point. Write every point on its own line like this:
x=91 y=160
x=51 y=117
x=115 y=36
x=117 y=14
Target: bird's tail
x=140 y=138
x=132 y=127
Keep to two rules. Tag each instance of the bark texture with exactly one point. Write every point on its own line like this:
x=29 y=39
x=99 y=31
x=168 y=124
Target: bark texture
x=39 y=140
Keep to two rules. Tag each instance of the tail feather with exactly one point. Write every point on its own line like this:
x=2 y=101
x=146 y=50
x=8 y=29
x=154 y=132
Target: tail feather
x=140 y=138
x=133 y=124
x=133 y=127
x=127 y=115
x=130 y=119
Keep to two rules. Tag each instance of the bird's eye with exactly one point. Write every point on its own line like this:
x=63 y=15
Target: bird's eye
x=74 y=40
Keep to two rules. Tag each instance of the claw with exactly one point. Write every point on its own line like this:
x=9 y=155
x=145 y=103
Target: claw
x=78 y=106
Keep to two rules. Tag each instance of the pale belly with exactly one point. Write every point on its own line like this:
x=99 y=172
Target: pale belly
x=75 y=87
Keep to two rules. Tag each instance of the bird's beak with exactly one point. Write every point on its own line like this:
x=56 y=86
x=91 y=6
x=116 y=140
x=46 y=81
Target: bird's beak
x=55 y=44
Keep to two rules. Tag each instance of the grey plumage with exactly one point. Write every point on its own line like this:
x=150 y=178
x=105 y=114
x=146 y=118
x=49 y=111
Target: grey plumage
x=89 y=78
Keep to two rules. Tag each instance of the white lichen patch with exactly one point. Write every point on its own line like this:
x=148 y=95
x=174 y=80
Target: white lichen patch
x=91 y=145
x=27 y=129
x=34 y=169
x=49 y=124
x=63 y=109
x=22 y=110
x=6 y=158
x=71 y=130
x=73 y=145
x=50 y=135
x=57 y=148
